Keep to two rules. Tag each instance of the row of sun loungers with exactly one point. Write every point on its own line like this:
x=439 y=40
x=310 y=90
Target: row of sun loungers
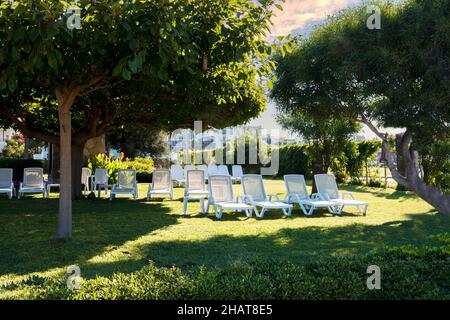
x=218 y=193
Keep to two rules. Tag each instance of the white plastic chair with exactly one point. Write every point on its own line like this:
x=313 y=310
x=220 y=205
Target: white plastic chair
x=222 y=198
x=195 y=189
x=33 y=182
x=100 y=181
x=255 y=194
x=6 y=182
x=328 y=190
x=187 y=168
x=237 y=172
x=298 y=194
x=177 y=174
x=126 y=184
x=212 y=170
x=161 y=184
x=86 y=174
x=204 y=168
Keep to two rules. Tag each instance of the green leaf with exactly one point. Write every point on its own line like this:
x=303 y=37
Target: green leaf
x=126 y=74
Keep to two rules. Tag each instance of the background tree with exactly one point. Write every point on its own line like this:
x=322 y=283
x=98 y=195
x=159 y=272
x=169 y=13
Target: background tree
x=328 y=137
x=397 y=76
x=197 y=58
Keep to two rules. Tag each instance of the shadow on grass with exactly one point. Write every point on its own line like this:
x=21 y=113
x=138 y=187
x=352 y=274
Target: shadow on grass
x=101 y=227
x=296 y=245
x=28 y=229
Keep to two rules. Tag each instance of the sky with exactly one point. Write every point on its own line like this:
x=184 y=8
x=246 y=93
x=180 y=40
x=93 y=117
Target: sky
x=300 y=17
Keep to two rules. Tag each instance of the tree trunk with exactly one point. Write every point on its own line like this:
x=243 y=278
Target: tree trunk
x=319 y=167
x=77 y=165
x=65 y=98
x=401 y=166
x=26 y=149
x=55 y=174
x=411 y=180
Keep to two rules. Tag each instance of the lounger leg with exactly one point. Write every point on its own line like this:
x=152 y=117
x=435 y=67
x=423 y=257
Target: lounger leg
x=261 y=214
x=339 y=210
x=248 y=213
x=185 y=205
x=202 y=205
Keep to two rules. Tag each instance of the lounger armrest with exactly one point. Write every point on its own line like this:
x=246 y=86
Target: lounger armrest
x=274 y=196
x=324 y=196
x=248 y=199
x=289 y=197
x=349 y=194
x=113 y=187
x=316 y=196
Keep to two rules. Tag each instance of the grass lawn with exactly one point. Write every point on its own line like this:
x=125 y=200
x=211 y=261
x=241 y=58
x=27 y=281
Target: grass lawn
x=124 y=235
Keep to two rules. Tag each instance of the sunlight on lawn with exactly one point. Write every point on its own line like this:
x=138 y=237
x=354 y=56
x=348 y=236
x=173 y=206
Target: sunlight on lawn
x=123 y=235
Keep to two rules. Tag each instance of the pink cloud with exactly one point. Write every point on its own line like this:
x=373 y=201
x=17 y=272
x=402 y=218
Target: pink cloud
x=299 y=13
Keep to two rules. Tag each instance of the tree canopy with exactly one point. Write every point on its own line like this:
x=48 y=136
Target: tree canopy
x=397 y=76
x=164 y=63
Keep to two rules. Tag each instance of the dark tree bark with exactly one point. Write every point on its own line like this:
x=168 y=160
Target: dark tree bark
x=401 y=167
x=412 y=179
x=77 y=165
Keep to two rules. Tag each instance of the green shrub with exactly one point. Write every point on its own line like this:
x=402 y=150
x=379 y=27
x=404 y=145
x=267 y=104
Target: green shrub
x=102 y=161
x=141 y=164
x=406 y=273
x=294 y=159
x=19 y=164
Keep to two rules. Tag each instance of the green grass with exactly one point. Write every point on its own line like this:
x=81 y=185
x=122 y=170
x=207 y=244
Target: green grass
x=124 y=236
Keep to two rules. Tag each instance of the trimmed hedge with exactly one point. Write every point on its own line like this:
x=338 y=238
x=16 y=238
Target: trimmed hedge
x=294 y=159
x=19 y=164
x=406 y=273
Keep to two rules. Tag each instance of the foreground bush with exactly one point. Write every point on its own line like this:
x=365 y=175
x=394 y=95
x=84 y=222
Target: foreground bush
x=406 y=273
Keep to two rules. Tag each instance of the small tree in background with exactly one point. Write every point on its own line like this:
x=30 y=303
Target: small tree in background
x=328 y=137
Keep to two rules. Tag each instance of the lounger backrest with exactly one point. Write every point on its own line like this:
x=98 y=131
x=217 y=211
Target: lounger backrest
x=326 y=185
x=212 y=170
x=187 y=168
x=223 y=169
x=33 y=177
x=161 y=179
x=85 y=174
x=237 y=171
x=6 y=177
x=101 y=176
x=220 y=188
x=176 y=172
x=126 y=178
x=204 y=168
x=195 y=180
x=253 y=186
x=295 y=184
